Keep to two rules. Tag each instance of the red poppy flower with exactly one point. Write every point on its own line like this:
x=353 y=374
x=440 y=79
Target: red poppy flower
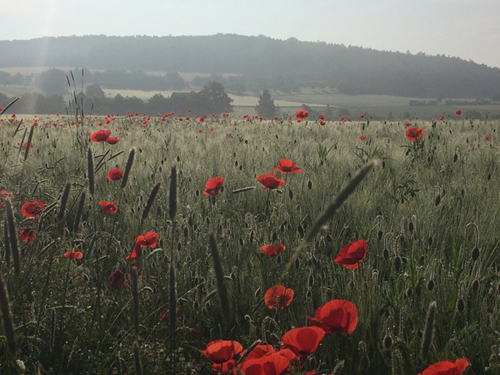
x=272 y=250
x=25 y=143
x=100 y=136
x=272 y=364
x=213 y=186
x=338 y=315
x=112 y=140
x=201 y=119
x=108 y=208
x=32 y=209
x=301 y=115
x=6 y=194
x=270 y=181
x=165 y=314
x=220 y=351
x=303 y=341
x=472 y=145
x=441 y=118
x=414 y=134
x=363 y=137
x=115 y=174
x=447 y=367
x=145 y=122
x=351 y=255
x=321 y=117
x=487 y=137
x=407 y=124
x=73 y=255
x=278 y=292
x=459 y=112
x=322 y=123
x=147 y=239
x=117 y=280
x=27 y=234
x=136 y=252
x=287 y=166
x=261 y=350
x=362 y=116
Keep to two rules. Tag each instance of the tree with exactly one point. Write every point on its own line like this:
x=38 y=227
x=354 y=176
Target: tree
x=213 y=99
x=94 y=91
x=266 y=107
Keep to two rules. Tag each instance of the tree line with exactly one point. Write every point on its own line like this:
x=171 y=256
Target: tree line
x=258 y=63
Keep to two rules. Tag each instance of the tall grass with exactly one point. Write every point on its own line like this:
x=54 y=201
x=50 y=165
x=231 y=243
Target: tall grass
x=415 y=208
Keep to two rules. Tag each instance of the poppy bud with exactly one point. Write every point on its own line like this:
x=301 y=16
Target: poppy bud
x=186 y=231
x=351 y=284
x=290 y=193
x=380 y=234
x=460 y=305
x=282 y=228
x=241 y=167
x=455 y=158
x=385 y=253
x=300 y=229
x=387 y=342
x=196 y=305
x=383 y=164
x=297 y=263
x=429 y=240
x=310 y=281
x=411 y=227
x=329 y=238
x=197 y=193
x=409 y=292
x=418 y=290
x=430 y=285
x=475 y=285
x=475 y=254
x=278 y=259
x=241 y=242
x=397 y=263
x=463 y=193
x=275 y=236
x=310 y=184
x=251 y=237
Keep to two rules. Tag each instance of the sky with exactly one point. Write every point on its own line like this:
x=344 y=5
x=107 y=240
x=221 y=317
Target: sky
x=467 y=29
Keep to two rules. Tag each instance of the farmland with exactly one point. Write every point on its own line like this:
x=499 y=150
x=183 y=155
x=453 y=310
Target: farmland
x=145 y=280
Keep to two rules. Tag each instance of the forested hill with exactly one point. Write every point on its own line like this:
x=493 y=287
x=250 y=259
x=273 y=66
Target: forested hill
x=261 y=62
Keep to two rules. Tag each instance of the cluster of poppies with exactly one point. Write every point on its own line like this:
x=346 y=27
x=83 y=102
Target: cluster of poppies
x=104 y=136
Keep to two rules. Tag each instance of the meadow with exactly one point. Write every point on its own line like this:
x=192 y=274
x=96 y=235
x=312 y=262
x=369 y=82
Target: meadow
x=136 y=272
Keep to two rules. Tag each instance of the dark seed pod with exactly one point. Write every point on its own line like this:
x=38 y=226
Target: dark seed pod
x=310 y=184
x=455 y=158
x=275 y=236
x=328 y=238
x=460 y=305
x=385 y=254
x=489 y=176
x=430 y=285
x=397 y=263
x=282 y=228
x=475 y=254
x=197 y=193
x=463 y=193
x=409 y=292
x=278 y=259
x=297 y=263
x=300 y=229
x=186 y=231
x=438 y=200
x=411 y=227
x=290 y=193
x=383 y=164
x=387 y=342
x=475 y=285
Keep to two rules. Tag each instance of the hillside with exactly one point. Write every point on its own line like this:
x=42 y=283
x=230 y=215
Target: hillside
x=261 y=62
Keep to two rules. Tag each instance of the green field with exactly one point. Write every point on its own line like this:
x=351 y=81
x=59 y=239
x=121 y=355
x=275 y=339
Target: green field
x=427 y=211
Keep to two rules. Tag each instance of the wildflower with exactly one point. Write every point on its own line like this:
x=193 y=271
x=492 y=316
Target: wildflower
x=287 y=166
x=270 y=181
x=338 y=315
x=115 y=174
x=108 y=208
x=117 y=280
x=303 y=341
x=278 y=292
x=25 y=143
x=362 y=116
x=32 y=209
x=213 y=186
x=272 y=364
x=27 y=234
x=272 y=250
x=414 y=134
x=363 y=137
x=459 y=112
x=100 y=136
x=321 y=117
x=112 y=140
x=447 y=367
x=221 y=352
x=351 y=255
x=407 y=124
x=72 y=255
x=301 y=115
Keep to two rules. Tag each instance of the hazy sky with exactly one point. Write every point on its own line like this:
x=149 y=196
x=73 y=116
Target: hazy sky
x=464 y=28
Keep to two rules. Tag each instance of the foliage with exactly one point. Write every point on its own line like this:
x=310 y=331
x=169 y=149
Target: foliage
x=266 y=107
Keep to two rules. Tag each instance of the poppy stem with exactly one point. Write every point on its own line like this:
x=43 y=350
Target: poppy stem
x=267 y=202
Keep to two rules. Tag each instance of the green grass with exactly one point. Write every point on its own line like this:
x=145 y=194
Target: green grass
x=69 y=321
